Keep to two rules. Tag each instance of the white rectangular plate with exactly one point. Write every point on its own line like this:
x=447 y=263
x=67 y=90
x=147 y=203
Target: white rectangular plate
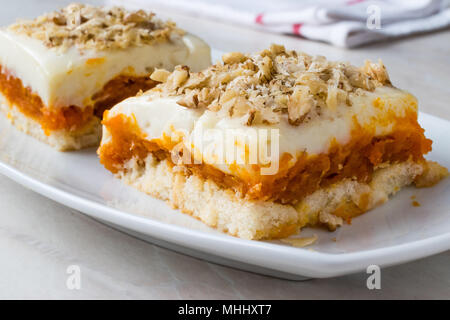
x=394 y=233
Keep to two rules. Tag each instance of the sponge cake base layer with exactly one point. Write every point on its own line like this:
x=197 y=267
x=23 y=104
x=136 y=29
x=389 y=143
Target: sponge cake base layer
x=63 y=140
x=222 y=209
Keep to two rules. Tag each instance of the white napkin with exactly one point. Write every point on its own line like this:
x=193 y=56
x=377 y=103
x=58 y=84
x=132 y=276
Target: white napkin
x=344 y=23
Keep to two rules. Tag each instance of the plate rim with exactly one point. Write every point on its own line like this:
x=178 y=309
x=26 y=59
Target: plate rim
x=283 y=258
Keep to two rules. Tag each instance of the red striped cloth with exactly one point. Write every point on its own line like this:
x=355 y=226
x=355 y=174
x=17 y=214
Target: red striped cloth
x=344 y=23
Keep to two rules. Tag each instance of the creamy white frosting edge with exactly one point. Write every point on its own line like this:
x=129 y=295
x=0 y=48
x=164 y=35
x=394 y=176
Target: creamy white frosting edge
x=63 y=79
x=164 y=117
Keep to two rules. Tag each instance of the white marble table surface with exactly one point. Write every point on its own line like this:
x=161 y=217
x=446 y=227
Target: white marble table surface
x=39 y=238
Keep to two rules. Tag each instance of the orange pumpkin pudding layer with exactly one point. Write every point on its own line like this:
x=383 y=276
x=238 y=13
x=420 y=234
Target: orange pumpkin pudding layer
x=69 y=118
x=59 y=73
x=262 y=145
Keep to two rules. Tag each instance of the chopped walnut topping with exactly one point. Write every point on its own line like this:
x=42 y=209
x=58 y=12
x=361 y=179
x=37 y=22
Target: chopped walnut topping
x=299 y=104
x=376 y=71
x=233 y=57
x=177 y=77
x=98 y=28
x=190 y=100
x=160 y=75
x=271 y=86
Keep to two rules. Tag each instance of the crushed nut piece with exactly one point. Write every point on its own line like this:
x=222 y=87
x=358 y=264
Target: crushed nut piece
x=250 y=117
x=233 y=57
x=300 y=242
x=300 y=103
x=190 y=100
x=377 y=71
x=178 y=76
x=160 y=75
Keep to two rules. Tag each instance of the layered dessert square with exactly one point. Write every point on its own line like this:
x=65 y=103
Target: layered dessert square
x=60 y=71
x=261 y=145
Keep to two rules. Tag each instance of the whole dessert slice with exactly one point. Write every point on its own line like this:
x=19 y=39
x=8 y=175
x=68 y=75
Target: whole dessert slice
x=262 y=145
x=59 y=72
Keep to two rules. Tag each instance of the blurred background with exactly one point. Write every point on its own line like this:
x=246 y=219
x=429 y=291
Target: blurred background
x=343 y=23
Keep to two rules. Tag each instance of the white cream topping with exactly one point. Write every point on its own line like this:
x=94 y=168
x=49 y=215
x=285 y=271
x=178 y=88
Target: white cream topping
x=164 y=117
x=72 y=77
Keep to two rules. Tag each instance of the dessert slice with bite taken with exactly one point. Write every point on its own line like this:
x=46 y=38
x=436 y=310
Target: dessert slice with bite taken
x=261 y=145
x=60 y=71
